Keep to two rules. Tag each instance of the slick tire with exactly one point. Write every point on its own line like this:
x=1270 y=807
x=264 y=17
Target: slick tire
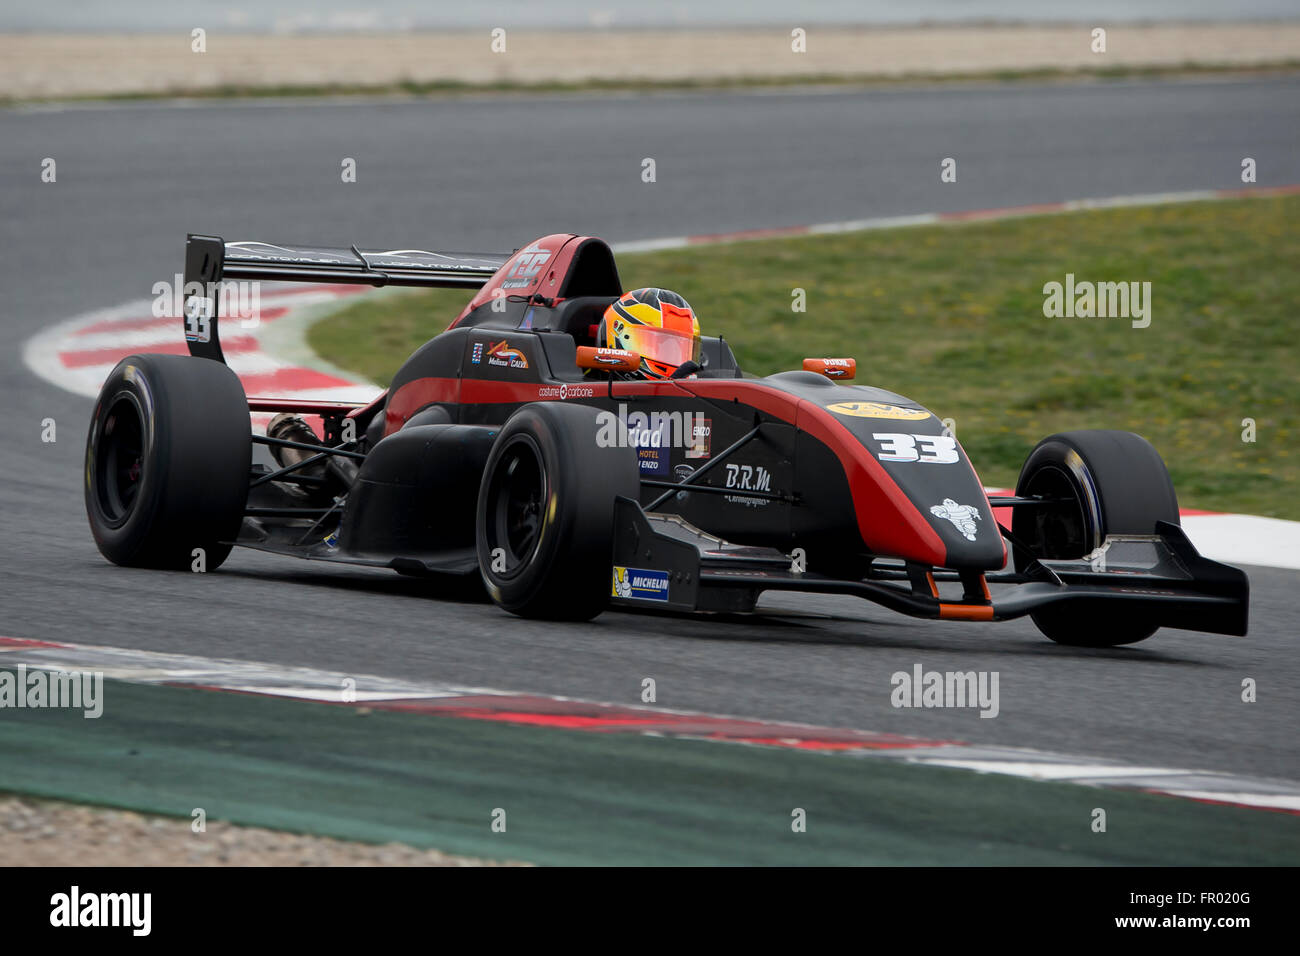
x=1113 y=482
x=167 y=462
x=545 y=521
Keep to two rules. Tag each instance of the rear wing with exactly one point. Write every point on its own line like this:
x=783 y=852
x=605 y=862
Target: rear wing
x=211 y=261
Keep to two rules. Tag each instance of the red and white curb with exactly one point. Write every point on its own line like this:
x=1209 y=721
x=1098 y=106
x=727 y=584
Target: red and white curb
x=78 y=354
x=564 y=713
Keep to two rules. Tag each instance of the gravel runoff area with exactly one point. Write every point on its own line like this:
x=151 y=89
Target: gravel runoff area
x=46 y=833
x=35 y=66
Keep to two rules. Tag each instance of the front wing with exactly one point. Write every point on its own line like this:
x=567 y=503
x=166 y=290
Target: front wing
x=662 y=561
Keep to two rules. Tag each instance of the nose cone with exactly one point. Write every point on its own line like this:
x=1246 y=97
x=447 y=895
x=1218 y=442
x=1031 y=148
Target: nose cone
x=931 y=469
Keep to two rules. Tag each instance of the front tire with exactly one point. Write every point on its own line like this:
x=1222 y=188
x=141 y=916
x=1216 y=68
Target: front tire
x=1111 y=482
x=545 y=521
x=167 y=462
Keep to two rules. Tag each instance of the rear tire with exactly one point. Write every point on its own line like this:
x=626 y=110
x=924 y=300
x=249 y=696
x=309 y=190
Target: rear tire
x=545 y=521
x=1114 y=482
x=167 y=462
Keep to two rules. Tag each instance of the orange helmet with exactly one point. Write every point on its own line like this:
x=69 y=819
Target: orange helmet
x=657 y=324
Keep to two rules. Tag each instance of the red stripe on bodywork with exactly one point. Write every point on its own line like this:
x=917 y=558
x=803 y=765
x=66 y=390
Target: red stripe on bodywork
x=422 y=392
x=888 y=522
x=415 y=395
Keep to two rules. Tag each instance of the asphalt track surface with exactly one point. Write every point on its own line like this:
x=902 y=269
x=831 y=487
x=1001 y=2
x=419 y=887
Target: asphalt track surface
x=489 y=174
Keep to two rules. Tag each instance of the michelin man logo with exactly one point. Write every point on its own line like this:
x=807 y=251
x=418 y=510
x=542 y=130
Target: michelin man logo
x=962 y=516
x=622 y=583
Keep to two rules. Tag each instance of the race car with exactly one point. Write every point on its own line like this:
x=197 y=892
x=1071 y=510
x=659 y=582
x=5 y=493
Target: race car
x=530 y=444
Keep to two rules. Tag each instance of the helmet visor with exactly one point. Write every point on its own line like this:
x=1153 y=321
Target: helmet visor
x=660 y=345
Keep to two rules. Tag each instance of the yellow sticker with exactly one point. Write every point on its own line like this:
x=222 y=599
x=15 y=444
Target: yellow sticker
x=622 y=586
x=878 y=410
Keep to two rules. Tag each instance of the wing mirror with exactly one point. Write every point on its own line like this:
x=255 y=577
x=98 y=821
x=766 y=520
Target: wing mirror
x=833 y=368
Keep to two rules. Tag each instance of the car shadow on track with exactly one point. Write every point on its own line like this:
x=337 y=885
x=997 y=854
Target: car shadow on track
x=772 y=626
x=462 y=589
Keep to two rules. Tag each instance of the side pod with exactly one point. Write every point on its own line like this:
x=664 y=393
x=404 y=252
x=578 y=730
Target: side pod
x=415 y=494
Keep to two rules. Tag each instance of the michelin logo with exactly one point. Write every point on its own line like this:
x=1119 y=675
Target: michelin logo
x=640 y=584
x=963 y=517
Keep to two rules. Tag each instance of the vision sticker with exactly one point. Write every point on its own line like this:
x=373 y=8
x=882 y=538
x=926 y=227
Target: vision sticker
x=877 y=410
x=640 y=584
x=476 y=355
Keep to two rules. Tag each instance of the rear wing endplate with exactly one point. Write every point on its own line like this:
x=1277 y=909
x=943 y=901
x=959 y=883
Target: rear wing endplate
x=211 y=261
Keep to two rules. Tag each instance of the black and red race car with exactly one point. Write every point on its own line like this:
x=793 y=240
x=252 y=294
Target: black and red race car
x=511 y=447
